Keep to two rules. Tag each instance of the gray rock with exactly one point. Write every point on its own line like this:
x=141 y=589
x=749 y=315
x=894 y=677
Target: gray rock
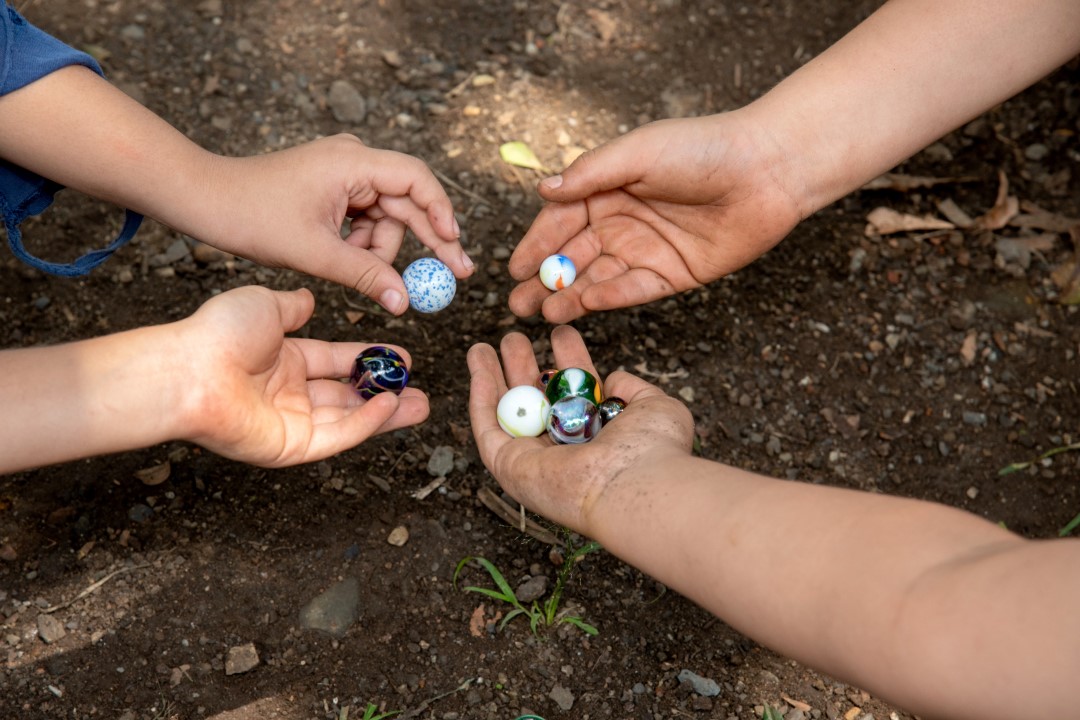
x=441 y=461
x=700 y=685
x=532 y=589
x=49 y=628
x=335 y=610
x=241 y=659
x=346 y=103
x=562 y=697
x=977 y=419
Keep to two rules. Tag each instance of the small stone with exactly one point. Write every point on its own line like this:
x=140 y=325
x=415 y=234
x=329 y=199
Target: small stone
x=441 y=461
x=976 y=419
x=7 y=553
x=241 y=659
x=346 y=103
x=532 y=589
x=50 y=629
x=562 y=697
x=398 y=536
x=335 y=610
x=700 y=685
x=1036 y=152
x=973 y=492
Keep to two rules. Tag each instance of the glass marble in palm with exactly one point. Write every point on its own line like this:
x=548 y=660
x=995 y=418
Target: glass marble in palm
x=557 y=272
x=573 y=420
x=544 y=378
x=379 y=369
x=430 y=284
x=523 y=411
x=573 y=382
x=611 y=407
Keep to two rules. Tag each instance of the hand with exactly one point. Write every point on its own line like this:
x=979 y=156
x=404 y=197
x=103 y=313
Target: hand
x=286 y=209
x=562 y=482
x=671 y=206
x=263 y=398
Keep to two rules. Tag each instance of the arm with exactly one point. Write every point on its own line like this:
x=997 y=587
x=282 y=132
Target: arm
x=935 y=609
x=226 y=378
x=676 y=204
x=282 y=209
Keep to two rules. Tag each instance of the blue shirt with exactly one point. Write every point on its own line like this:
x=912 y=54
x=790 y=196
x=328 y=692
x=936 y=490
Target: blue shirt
x=28 y=54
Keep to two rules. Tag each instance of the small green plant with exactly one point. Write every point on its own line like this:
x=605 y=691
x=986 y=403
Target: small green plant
x=1015 y=467
x=546 y=613
x=371 y=709
x=771 y=713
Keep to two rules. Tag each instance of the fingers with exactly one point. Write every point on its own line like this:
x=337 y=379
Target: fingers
x=335 y=359
x=612 y=165
x=486 y=386
x=519 y=362
x=570 y=350
x=553 y=227
x=336 y=429
x=295 y=308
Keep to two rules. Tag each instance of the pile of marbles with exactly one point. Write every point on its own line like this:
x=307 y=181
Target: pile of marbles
x=568 y=404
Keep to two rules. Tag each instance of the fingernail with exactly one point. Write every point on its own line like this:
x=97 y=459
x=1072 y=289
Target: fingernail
x=457 y=228
x=467 y=261
x=392 y=301
x=552 y=183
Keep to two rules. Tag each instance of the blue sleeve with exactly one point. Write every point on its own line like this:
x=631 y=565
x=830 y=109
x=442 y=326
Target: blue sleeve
x=28 y=54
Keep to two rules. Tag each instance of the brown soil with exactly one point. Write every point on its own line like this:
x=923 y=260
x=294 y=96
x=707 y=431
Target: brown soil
x=837 y=358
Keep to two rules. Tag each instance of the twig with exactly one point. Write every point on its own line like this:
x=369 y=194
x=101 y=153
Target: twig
x=442 y=176
x=495 y=504
x=427 y=703
x=94 y=587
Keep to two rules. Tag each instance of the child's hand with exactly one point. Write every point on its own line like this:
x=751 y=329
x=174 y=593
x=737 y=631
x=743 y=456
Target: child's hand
x=562 y=482
x=286 y=209
x=671 y=206
x=254 y=395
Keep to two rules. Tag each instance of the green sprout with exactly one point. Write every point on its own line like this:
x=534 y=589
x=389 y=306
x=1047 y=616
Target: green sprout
x=546 y=613
x=371 y=709
x=1015 y=467
x=771 y=713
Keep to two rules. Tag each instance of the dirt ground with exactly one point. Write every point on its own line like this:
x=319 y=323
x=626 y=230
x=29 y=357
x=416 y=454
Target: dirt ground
x=916 y=363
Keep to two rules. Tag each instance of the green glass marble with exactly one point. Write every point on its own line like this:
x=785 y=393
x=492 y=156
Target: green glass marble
x=573 y=382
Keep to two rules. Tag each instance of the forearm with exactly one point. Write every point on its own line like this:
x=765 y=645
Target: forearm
x=918 y=602
x=73 y=127
x=912 y=72
x=104 y=395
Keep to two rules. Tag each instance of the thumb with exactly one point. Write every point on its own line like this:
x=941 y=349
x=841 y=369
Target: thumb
x=610 y=166
x=361 y=270
x=295 y=308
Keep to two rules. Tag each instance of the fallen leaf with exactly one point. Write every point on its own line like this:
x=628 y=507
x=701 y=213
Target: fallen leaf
x=797 y=704
x=521 y=155
x=1036 y=218
x=605 y=24
x=906 y=183
x=967 y=348
x=477 y=622
x=1006 y=207
x=886 y=221
x=1067 y=278
x=154 y=475
x=954 y=214
x=1019 y=250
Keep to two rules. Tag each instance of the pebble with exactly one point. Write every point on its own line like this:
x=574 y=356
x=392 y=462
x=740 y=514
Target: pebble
x=50 y=629
x=335 y=610
x=700 y=685
x=241 y=659
x=441 y=461
x=532 y=589
x=562 y=697
x=346 y=103
x=977 y=419
x=398 y=536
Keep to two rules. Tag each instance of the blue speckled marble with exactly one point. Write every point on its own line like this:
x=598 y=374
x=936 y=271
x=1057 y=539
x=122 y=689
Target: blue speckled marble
x=431 y=285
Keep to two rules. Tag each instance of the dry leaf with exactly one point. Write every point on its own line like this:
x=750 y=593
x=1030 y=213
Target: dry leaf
x=885 y=221
x=797 y=704
x=1019 y=250
x=1035 y=217
x=1006 y=207
x=605 y=24
x=907 y=183
x=154 y=475
x=1067 y=278
x=519 y=154
x=477 y=623
x=954 y=214
x=967 y=349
